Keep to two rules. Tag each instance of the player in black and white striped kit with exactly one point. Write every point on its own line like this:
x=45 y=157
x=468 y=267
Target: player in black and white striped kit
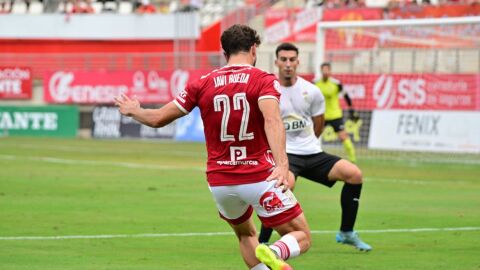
x=302 y=109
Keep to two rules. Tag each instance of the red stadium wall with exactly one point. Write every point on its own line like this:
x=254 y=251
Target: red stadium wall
x=54 y=54
x=83 y=46
x=203 y=44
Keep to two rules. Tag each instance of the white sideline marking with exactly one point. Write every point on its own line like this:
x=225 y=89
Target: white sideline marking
x=409 y=181
x=426 y=160
x=398 y=181
x=158 y=235
x=101 y=163
x=203 y=154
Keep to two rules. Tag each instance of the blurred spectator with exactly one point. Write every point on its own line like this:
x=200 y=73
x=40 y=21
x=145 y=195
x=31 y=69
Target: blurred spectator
x=82 y=6
x=164 y=7
x=389 y=3
x=196 y=4
x=354 y=3
x=6 y=6
x=190 y=5
x=105 y=7
x=313 y=3
x=145 y=7
x=27 y=5
x=51 y=6
x=174 y=6
x=334 y=3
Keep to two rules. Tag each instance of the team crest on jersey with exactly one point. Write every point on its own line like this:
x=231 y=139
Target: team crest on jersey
x=182 y=95
x=270 y=202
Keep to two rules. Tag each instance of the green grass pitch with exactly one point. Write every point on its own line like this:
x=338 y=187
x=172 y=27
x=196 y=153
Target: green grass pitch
x=73 y=187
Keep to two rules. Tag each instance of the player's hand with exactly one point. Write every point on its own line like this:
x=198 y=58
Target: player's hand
x=353 y=115
x=126 y=105
x=280 y=175
x=291 y=180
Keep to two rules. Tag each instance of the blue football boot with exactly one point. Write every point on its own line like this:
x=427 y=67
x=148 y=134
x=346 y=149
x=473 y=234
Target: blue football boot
x=351 y=238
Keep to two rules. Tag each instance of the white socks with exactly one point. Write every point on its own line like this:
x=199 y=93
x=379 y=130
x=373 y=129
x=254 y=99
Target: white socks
x=286 y=247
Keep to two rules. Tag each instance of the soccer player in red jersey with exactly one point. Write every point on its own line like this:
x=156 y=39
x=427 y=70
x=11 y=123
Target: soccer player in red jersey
x=247 y=165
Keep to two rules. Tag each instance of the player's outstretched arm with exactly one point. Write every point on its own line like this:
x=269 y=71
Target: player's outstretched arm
x=151 y=117
x=275 y=132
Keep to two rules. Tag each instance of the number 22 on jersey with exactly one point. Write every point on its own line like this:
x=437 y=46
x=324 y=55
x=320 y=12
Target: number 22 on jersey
x=222 y=104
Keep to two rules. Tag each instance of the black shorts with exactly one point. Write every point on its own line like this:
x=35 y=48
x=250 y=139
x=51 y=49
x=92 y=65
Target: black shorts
x=314 y=167
x=337 y=124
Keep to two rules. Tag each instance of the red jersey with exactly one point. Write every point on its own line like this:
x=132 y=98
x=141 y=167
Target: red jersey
x=238 y=150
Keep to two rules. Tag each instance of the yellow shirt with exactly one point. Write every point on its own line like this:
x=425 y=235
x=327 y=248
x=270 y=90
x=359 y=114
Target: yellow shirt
x=330 y=90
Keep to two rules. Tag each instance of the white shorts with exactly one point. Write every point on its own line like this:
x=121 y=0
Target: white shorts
x=274 y=207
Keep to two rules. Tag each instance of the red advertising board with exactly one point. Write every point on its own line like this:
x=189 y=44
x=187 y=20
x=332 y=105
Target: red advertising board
x=15 y=83
x=99 y=87
x=413 y=91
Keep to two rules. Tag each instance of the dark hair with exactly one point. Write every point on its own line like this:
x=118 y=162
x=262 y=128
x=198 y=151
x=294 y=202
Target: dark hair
x=239 y=38
x=325 y=64
x=286 y=47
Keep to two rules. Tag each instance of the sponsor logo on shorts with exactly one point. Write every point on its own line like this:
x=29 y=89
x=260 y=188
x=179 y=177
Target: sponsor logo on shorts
x=270 y=202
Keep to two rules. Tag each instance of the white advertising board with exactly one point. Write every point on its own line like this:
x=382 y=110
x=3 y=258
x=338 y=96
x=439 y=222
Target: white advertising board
x=432 y=131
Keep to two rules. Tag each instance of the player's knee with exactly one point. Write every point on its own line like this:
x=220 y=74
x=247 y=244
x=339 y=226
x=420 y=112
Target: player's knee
x=306 y=243
x=355 y=176
x=304 y=240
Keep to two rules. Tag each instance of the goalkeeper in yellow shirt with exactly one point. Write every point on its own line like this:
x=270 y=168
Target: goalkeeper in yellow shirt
x=331 y=88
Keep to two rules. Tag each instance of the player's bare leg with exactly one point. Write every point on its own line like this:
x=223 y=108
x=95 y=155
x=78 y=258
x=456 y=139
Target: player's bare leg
x=298 y=228
x=295 y=240
x=291 y=180
x=247 y=237
x=347 y=144
x=349 y=173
